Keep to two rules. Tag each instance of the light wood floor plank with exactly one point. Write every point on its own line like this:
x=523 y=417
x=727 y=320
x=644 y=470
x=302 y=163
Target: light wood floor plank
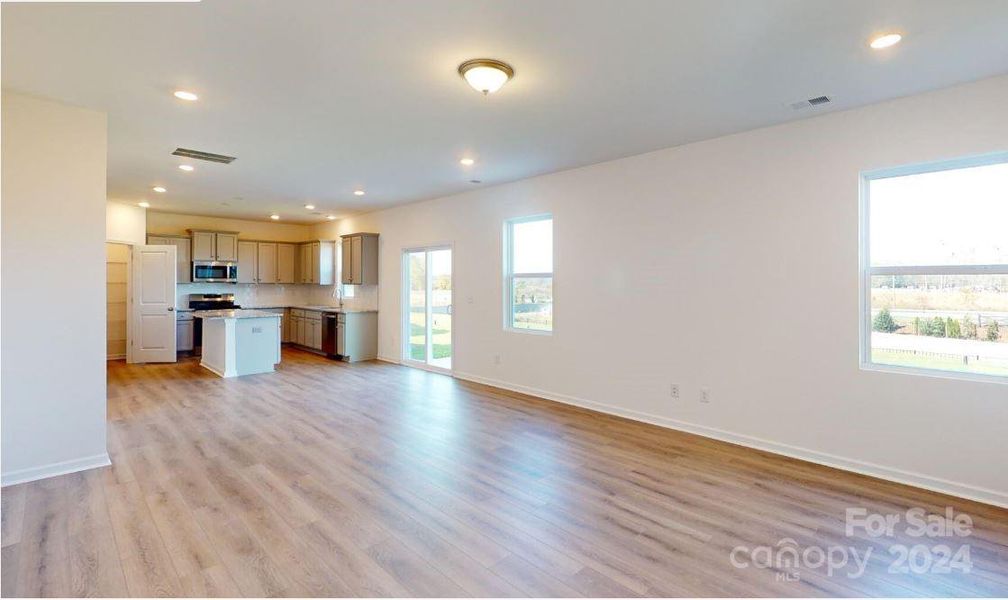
x=328 y=479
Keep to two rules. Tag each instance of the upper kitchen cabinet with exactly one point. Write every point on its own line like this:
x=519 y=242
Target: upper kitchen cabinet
x=360 y=259
x=248 y=262
x=257 y=262
x=183 y=247
x=317 y=263
x=287 y=263
x=267 y=262
x=214 y=245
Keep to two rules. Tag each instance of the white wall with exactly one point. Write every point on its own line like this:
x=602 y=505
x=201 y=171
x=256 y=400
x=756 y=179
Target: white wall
x=125 y=224
x=52 y=376
x=709 y=265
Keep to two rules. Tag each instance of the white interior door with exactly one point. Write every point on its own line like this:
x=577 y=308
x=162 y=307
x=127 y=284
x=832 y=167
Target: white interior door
x=153 y=311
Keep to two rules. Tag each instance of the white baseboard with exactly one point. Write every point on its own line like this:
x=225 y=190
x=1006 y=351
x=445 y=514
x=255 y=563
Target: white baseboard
x=389 y=359
x=919 y=480
x=54 y=469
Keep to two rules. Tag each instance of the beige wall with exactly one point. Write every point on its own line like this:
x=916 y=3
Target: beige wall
x=681 y=265
x=117 y=264
x=52 y=377
x=176 y=224
x=125 y=223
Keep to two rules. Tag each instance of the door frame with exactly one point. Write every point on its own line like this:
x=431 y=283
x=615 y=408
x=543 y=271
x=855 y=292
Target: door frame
x=404 y=305
x=131 y=350
x=129 y=301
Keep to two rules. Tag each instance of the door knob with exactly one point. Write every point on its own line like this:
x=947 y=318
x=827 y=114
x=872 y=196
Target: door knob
x=171 y=308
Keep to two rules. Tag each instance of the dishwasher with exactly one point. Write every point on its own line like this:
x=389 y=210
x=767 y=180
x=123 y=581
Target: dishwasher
x=332 y=334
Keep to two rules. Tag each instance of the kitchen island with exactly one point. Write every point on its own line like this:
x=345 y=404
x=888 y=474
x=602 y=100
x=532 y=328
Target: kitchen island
x=240 y=342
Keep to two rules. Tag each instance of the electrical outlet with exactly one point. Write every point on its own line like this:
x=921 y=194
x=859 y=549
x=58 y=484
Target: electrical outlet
x=674 y=391
x=705 y=395
x=497 y=359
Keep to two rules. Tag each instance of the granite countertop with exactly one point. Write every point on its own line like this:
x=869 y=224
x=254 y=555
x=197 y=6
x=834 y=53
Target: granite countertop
x=333 y=309
x=315 y=308
x=233 y=314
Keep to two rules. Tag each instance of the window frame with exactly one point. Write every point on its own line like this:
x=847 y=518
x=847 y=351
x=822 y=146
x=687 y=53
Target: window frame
x=510 y=275
x=867 y=271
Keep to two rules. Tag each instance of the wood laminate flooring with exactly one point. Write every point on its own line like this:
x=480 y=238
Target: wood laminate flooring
x=327 y=479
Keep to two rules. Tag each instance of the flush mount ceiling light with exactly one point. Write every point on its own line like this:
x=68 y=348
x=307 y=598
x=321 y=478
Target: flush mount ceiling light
x=159 y=189
x=310 y=206
x=331 y=217
x=486 y=74
x=885 y=40
x=144 y=204
x=467 y=162
x=358 y=192
x=186 y=167
x=275 y=217
x=187 y=96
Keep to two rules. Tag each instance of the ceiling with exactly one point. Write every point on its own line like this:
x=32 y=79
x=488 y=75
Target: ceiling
x=317 y=98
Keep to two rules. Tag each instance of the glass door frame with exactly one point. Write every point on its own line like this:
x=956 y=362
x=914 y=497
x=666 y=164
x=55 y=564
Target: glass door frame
x=404 y=326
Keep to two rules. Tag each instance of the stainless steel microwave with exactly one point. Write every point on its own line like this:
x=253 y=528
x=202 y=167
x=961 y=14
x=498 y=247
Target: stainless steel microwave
x=212 y=271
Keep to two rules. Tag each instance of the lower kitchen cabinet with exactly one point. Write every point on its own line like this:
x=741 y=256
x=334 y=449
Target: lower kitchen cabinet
x=306 y=326
x=184 y=333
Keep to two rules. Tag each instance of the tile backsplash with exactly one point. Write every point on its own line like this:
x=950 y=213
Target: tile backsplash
x=365 y=296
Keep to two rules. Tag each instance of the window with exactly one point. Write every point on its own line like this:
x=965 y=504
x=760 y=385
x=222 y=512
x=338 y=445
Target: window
x=935 y=268
x=345 y=289
x=528 y=267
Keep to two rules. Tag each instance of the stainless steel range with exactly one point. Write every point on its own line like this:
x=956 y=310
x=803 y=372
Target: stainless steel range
x=212 y=301
x=207 y=302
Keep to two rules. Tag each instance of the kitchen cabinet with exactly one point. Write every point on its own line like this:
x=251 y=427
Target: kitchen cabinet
x=214 y=245
x=316 y=333
x=317 y=263
x=184 y=333
x=183 y=247
x=266 y=267
x=287 y=263
x=357 y=336
x=306 y=328
x=248 y=256
x=204 y=245
x=257 y=262
x=227 y=246
x=359 y=261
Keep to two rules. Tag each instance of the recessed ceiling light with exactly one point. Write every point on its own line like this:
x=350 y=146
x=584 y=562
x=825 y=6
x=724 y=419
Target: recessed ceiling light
x=486 y=74
x=275 y=217
x=331 y=217
x=310 y=206
x=159 y=189
x=885 y=40
x=467 y=162
x=186 y=167
x=144 y=204
x=358 y=192
x=184 y=95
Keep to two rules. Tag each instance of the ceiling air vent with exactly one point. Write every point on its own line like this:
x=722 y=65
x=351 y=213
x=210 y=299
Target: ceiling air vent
x=815 y=102
x=200 y=155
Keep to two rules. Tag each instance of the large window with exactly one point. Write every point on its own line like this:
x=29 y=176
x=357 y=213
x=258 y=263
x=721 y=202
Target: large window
x=935 y=268
x=528 y=267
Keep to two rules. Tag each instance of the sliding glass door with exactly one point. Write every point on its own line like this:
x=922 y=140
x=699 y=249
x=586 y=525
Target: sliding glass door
x=427 y=307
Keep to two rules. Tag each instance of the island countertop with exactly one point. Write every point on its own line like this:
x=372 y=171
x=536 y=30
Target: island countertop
x=238 y=313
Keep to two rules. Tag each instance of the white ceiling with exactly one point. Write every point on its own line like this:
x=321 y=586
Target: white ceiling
x=317 y=98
